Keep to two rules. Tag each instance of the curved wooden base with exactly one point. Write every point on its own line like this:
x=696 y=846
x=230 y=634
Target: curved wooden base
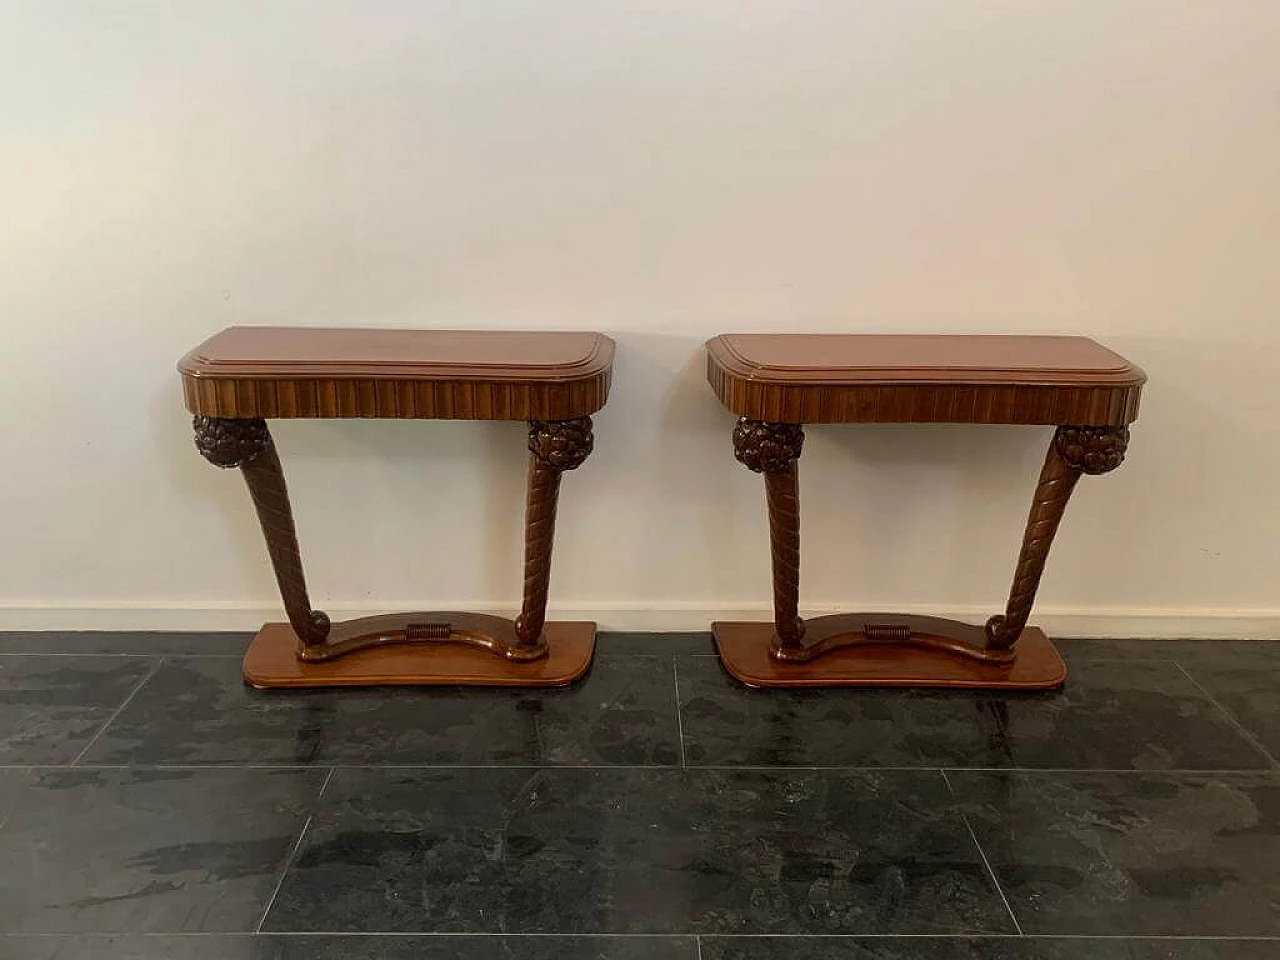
x=494 y=634
x=273 y=661
x=938 y=653
x=822 y=635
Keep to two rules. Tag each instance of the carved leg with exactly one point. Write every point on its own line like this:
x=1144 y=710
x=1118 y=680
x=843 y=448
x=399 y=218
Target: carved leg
x=773 y=449
x=554 y=447
x=247 y=444
x=1074 y=451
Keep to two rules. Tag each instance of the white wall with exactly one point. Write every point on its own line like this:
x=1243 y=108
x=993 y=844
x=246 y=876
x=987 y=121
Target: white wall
x=660 y=171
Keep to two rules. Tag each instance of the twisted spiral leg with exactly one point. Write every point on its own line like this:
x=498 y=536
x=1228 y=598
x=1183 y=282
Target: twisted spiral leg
x=1073 y=451
x=247 y=444
x=782 y=492
x=773 y=449
x=265 y=480
x=554 y=446
x=1057 y=481
x=539 y=533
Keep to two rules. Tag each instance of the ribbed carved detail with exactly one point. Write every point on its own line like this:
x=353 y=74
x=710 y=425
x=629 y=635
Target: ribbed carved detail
x=1075 y=450
x=554 y=446
x=539 y=532
x=767 y=447
x=561 y=444
x=782 y=491
x=1094 y=450
x=265 y=479
x=760 y=396
x=1057 y=480
x=227 y=442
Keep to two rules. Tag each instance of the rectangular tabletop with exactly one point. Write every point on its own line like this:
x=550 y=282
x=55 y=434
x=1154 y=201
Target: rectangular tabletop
x=866 y=378
x=421 y=374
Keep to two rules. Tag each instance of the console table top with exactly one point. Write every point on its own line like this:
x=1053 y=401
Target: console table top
x=874 y=378
x=334 y=372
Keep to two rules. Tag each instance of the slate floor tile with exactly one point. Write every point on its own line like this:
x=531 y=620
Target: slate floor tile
x=610 y=644
x=52 y=707
x=1014 y=948
x=1252 y=696
x=200 y=711
x=139 y=851
x=1240 y=653
x=1137 y=854
x=638 y=851
x=143 y=643
x=12 y=783
x=212 y=947
x=1111 y=715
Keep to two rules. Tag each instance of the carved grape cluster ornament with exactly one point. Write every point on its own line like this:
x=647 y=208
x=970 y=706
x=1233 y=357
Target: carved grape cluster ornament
x=561 y=444
x=227 y=442
x=767 y=447
x=1094 y=450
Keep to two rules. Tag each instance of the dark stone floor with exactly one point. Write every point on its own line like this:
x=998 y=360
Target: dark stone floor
x=153 y=807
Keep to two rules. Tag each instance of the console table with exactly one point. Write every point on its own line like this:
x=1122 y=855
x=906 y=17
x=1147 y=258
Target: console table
x=777 y=382
x=237 y=380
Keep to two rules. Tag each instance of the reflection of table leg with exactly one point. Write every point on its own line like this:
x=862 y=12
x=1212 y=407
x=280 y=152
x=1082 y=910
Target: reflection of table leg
x=247 y=444
x=1073 y=451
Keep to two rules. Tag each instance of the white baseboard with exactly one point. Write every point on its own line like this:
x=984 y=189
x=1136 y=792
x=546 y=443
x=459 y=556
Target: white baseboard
x=1146 y=622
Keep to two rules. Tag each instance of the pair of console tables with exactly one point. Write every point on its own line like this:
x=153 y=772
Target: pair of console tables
x=775 y=383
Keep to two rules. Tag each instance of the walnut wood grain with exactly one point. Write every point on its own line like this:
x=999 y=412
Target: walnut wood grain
x=854 y=378
x=1072 y=452
x=776 y=382
x=782 y=493
x=744 y=651
x=553 y=380
x=823 y=635
x=496 y=635
x=272 y=661
x=298 y=372
x=247 y=444
x=554 y=447
x=773 y=449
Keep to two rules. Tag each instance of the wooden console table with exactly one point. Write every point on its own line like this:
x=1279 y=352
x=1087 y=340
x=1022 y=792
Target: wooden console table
x=237 y=380
x=777 y=382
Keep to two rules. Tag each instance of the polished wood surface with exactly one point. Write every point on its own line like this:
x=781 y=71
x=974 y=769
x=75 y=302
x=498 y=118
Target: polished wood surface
x=857 y=378
x=289 y=372
x=243 y=375
x=744 y=651
x=272 y=662
x=1073 y=452
x=819 y=636
x=777 y=381
x=497 y=635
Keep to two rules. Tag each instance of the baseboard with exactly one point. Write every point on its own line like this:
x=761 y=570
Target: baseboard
x=1147 y=622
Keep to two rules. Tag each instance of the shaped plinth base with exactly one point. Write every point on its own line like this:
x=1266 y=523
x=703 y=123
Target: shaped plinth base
x=939 y=653
x=273 y=660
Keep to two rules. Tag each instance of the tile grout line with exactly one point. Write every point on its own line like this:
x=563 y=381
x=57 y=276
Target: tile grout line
x=675 y=674
x=982 y=853
x=7 y=815
x=847 y=768
x=1231 y=717
x=697 y=942
x=485 y=934
x=155 y=654
x=155 y=668
x=288 y=862
x=284 y=872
